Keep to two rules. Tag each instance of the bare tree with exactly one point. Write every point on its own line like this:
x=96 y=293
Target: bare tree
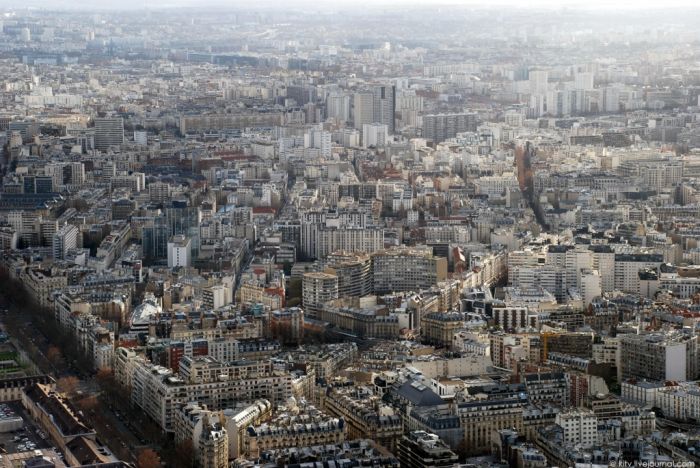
x=68 y=385
x=148 y=458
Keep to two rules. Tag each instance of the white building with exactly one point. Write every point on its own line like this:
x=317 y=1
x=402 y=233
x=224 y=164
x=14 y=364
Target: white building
x=363 y=109
x=590 y=285
x=65 y=239
x=495 y=186
x=319 y=139
x=375 y=134
x=584 y=81
x=642 y=392
x=338 y=107
x=179 y=252
x=580 y=427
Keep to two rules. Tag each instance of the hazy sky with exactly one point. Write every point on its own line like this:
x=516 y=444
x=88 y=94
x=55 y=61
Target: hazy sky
x=329 y=4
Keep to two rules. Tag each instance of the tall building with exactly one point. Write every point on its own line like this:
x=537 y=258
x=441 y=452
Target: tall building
x=363 y=109
x=317 y=290
x=354 y=272
x=627 y=267
x=141 y=138
x=441 y=127
x=384 y=106
x=407 y=269
x=214 y=297
x=338 y=107
x=584 y=81
x=538 y=81
x=659 y=356
x=65 y=239
x=610 y=98
x=109 y=131
x=375 y=106
x=179 y=251
x=302 y=94
x=155 y=235
x=318 y=240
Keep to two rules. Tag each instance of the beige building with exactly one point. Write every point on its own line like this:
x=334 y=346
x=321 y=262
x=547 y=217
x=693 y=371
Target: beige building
x=207 y=431
x=41 y=283
x=354 y=272
x=440 y=328
x=317 y=290
x=488 y=409
x=297 y=427
x=159 y=392
x=366 y=416
x=238 y=421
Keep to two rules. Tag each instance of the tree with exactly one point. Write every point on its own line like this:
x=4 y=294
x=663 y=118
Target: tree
x=54 y=355
x=295 y=288
x=184 y=453
x=68 y=385
x=88 y=404
x=105 y=379
x=148 y=458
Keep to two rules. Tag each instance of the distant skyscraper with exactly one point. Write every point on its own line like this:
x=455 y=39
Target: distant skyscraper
x=538 y=81
x=610 y=98
x=109 y=131
x=302 y=94
x=155 y=238
x=375 y=106
x=385 y=106
x=363 y=104
x=584 y=81
x=338 y=107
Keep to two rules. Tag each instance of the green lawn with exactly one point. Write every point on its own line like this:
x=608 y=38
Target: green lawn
x=8 y=355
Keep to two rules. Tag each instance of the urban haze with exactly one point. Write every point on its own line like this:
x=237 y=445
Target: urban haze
x=349 y=234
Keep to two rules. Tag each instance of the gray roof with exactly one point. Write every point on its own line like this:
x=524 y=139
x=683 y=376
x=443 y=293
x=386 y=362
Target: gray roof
x=418 y=394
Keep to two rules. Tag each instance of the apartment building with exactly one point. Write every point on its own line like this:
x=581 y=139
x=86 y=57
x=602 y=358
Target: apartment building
x=407 y=269
x=659 y=356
